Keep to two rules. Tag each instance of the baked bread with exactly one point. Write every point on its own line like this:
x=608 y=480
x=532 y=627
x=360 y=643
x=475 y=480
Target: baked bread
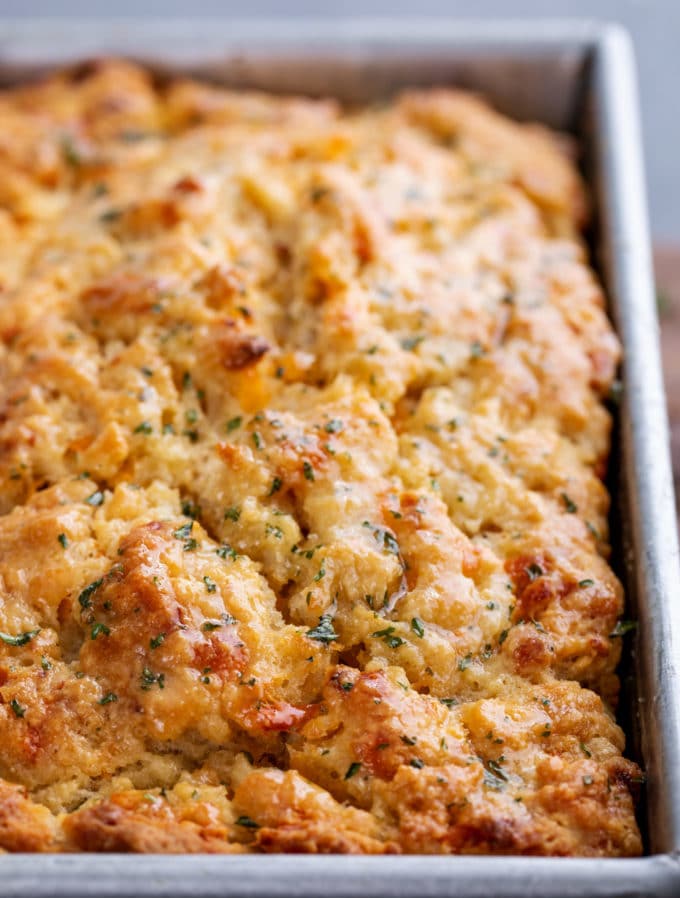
x=303 y=535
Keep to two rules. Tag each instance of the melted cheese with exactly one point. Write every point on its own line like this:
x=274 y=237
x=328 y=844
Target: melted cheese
x=303 y=536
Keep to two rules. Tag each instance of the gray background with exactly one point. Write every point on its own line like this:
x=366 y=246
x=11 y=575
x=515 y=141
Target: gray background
x=654 y=24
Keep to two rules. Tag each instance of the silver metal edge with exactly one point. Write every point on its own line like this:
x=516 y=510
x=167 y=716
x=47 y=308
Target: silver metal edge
x=25 y=876
x=645 y=436
x=334 y=876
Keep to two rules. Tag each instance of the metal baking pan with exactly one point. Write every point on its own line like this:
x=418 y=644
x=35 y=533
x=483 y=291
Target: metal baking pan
x=577 y=76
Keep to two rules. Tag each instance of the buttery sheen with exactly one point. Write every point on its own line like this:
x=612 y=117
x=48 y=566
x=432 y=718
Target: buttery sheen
x=303 y=535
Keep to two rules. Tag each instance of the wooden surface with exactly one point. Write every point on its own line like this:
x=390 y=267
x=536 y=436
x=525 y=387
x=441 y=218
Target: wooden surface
x=667 y=265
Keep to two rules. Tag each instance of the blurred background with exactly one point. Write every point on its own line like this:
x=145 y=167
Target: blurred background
x=653 y=24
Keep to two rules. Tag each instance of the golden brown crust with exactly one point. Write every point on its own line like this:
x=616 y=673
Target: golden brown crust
x=128 y=822
x=24 y=825
x=303 y=535
x=293 y=815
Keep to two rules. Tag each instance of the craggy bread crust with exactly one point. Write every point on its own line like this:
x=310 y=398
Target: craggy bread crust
x=303 y=535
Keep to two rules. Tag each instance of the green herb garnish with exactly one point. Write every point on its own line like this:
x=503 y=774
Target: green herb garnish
x=388 y=638
x=99 y=629
x=569 y=504
x=19 y=710
x=148 y=679
x=20 y=638
x=323 y=632
x=85 y=597
x=108 y=698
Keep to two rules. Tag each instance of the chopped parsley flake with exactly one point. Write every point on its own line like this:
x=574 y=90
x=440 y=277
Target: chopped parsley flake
x=411 y=343
x=418 y=627
x=352 y=770
x=149 y=679
x=63 y=540
x=110 y=215
x=247 y=822
x=210 y=585
x=335 y=425
x=234 y=423
x=384 y=537
x=593 y=531
x=157 y=641
x=184 y=531
x=622 y=627
x=85 y=597
x=584 y=584
x=191 y=509
x=143 y=427
x=388 y=638
x=323 y=632
x=233 y=513
x=99 y=629
x=20 y=638
x=95 y=499
x=308 y=471
x=569 y=504
x=108 y=698
x=495 y=768
x=465 y=662
x=277 y=483
x=19 y=709
x=70 y=152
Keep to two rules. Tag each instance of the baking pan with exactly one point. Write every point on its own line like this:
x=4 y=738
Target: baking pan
x=577 y=76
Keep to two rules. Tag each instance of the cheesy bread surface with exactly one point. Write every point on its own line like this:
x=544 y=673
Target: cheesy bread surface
x=303 y=535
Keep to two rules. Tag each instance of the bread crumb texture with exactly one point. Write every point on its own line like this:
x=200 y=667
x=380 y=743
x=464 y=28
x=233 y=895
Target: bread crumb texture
x=303 y=535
